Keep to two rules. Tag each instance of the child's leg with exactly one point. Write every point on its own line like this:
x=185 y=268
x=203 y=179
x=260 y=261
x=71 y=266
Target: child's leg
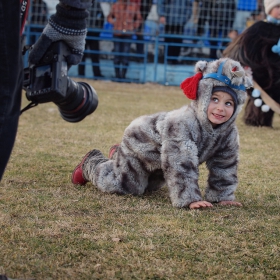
x=156 y=179
x=125 y=175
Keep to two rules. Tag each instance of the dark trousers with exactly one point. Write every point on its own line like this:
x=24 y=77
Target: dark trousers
x=173 y=30
x=93 y=45
x=10 y=77
x=221 y=30
x=140 y=46
x=122 y=48
x=121 y=58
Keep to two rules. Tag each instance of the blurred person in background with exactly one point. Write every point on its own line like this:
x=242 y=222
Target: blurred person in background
x=245 y=8
x=51 y=6
x=126 y=19
x=255 y=16
x=174 y=14
x=95 y=21
x=220 y=15
x=38 y=19
x=258 y=49
x=145 y=8
x=67 y=24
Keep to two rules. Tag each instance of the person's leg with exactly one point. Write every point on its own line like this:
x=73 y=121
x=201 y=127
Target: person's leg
x=140 y=37
x=123 y=175
x=173 y=50
x=214 y=33
x=156 y=179
x=117 y=57
x=240 y=20
x=228 y=24
x=81 y=65
x=125 y=58
x=94 y=46
x=10 y=77
x=140 y=46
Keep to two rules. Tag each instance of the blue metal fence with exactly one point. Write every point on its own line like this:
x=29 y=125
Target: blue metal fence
x=154 y=64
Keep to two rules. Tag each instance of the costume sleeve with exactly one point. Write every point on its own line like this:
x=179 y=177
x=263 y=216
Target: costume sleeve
x=79 y=4
x=179 y=155
x=222 y=179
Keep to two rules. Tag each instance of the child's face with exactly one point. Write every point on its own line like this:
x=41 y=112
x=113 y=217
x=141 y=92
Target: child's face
x=220 y=108
x=275 y=12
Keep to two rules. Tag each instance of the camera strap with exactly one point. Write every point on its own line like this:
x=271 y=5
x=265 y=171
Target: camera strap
x=24 y=6
x=29 y=106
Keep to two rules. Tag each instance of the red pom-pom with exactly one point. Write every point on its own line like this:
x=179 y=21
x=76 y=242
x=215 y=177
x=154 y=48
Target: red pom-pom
x=190 y=85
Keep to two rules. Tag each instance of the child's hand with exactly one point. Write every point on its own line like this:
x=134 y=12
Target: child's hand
x=199 y=204
x=231 y=203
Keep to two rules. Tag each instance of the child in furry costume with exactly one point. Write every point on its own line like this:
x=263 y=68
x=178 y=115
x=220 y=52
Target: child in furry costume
x=168 y=147
x=255 y=48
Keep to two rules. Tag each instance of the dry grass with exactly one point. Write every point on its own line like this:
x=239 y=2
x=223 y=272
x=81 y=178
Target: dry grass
x=50 y=229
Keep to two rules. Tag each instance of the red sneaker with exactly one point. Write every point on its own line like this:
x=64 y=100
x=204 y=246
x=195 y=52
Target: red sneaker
x=113 y=149
x=77 y=175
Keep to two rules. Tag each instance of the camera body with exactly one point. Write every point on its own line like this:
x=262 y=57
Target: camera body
x=48 y=81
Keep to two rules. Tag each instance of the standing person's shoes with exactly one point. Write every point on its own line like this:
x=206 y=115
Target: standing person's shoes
x=97 y=77
x=118 y=73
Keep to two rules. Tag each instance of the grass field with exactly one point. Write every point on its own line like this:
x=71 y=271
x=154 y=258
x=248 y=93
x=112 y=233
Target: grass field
x=51 y=229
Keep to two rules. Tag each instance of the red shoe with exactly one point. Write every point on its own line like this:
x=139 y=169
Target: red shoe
x=77 y=175
x=113 y=149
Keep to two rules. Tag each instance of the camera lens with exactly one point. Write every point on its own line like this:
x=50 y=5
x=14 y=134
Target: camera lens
x=81 y=100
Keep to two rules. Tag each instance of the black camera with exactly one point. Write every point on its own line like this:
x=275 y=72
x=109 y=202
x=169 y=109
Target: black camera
x=48 y=81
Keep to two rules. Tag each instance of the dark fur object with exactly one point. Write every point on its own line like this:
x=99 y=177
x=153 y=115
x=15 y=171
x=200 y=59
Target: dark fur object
x=253 y=48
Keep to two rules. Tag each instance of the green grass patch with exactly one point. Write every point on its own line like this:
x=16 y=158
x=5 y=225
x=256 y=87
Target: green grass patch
x=51 y=229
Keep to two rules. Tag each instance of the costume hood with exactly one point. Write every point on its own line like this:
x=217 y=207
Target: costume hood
x=223 y=72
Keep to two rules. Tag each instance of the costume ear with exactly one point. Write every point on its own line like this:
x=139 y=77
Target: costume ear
x=200 y=66
x=190 y=85
x=248 y=83
x=236 y=72
x=248 y=80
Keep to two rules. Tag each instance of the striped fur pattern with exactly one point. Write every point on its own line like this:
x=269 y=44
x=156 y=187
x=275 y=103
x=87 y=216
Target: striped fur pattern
x=167 y=148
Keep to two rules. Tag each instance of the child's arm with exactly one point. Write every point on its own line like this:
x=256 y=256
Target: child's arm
x=230 y=203
x=222 y=179
x=180 y=166
x=200 y=204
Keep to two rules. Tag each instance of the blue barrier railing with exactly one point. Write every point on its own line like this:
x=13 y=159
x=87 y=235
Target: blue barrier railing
x=153 y=65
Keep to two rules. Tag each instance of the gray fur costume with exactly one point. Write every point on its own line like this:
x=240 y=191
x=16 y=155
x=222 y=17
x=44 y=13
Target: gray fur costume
x=168 y=147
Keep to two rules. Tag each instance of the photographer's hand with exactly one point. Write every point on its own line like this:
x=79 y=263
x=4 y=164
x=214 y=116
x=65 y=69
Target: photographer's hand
x=68 y=24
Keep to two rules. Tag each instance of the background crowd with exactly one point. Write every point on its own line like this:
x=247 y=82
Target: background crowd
x=188 y=29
